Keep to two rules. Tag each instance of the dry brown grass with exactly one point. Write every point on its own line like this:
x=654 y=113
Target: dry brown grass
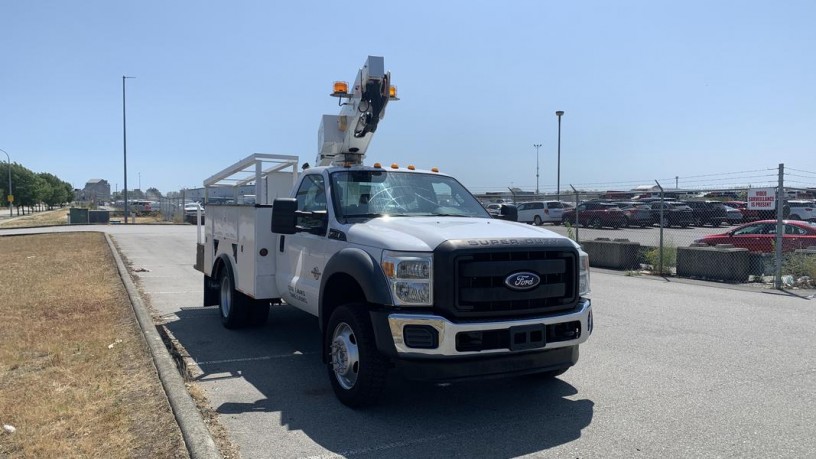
x=45 y=218
x=76 y=377
x=60 y=217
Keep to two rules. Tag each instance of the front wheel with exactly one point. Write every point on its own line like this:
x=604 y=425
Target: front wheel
x=357 y=370
x=537 y=221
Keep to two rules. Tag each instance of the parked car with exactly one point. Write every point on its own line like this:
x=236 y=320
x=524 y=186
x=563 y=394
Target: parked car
x=802 y=210
x=538 y=212
x=674 y=214
x=140 y=206
x=636 y=213
x=760 y=236
x=734 y=215
x=749 y=215
x=191 y=209
x=596 y=215
x=494 y=209
x=708 y=212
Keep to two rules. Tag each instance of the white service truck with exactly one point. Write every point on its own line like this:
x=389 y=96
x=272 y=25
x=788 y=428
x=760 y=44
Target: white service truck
x=404 y=268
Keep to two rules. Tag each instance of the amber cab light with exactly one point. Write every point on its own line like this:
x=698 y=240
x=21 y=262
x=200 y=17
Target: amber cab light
x=340 y=87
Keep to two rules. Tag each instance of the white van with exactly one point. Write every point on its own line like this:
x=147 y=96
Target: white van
x=538 y=212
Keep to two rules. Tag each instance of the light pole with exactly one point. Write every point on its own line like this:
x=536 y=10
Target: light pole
x=11 y=214
x=537 y=145
x=559 y=114
x=140 y=181
x=124 y=144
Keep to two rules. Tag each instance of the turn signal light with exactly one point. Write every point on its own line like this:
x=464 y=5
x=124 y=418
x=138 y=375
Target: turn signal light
x=392 y=92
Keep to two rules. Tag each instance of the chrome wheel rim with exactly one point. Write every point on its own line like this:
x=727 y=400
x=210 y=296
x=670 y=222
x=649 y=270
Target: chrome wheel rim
x=345 y=356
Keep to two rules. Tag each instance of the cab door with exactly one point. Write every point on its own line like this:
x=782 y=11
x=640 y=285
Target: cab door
x=302 y=256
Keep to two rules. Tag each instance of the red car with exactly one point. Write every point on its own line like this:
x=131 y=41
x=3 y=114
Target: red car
x=760 y=236
x=596 y=215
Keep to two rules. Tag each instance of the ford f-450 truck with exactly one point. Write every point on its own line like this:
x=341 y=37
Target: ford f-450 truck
x=404 y=268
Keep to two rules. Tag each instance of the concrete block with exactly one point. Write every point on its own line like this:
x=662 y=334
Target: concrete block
x=617 y=254
x=724 y=263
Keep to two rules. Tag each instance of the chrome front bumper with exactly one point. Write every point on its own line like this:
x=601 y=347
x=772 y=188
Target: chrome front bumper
x=448 y=330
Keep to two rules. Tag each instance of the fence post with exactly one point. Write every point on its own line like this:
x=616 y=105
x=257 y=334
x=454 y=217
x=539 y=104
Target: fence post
x=577 y=219
x=780 y=227
x=660 y=249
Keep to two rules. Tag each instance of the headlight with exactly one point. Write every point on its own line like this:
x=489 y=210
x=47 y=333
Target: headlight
x=583 y=274
x=410 y=277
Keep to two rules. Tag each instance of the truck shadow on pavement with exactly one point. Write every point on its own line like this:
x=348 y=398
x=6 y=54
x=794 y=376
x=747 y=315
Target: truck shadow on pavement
x=290 y=393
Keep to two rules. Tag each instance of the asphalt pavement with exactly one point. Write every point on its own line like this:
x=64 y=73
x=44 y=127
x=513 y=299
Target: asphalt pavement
x=673 y=369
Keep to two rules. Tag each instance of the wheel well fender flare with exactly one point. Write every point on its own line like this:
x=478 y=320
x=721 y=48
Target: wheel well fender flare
x=364 y=269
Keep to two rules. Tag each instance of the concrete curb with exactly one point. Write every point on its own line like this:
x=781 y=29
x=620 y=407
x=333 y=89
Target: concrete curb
x=199 y=443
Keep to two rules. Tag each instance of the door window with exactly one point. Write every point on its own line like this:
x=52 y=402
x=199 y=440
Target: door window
x=311 y=197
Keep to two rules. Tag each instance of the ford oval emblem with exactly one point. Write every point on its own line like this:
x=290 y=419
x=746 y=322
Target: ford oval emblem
x=522 y=281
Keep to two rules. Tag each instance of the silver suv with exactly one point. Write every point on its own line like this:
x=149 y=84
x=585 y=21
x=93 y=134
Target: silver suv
x=802 y=210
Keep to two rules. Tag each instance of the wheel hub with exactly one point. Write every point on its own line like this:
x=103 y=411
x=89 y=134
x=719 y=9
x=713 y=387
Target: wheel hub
x=345 y=356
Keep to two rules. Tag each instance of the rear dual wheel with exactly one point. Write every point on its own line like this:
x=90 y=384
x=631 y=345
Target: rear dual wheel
x=237 y=309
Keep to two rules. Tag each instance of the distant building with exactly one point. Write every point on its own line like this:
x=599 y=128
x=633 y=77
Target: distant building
x=96 y=190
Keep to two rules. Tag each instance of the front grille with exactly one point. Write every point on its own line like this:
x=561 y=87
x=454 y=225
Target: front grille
x=470 y=281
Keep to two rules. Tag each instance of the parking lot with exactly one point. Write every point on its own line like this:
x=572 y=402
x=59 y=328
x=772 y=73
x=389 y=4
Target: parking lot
x=673 y=369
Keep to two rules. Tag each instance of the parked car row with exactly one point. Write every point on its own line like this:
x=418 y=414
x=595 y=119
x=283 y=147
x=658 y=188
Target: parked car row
x=649 y=212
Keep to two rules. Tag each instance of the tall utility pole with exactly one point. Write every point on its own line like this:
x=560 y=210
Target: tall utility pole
x=559 y=114
x=10 y=194
x=537 y=146
x=124 y=144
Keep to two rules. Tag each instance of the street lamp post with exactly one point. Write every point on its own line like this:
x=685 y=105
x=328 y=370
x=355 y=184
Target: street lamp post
x=11 y=213
x=124 y=144
x=559 y=114
x=537 y=145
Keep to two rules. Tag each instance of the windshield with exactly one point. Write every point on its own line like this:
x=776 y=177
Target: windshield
x=373 y=193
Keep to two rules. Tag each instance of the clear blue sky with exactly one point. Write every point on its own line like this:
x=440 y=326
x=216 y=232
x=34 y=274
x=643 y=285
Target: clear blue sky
x=651 y=89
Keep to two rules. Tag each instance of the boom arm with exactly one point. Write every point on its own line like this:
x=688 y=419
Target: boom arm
x=344 y=138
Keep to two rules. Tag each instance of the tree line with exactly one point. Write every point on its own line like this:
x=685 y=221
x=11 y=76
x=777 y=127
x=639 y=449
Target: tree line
x=32 y=189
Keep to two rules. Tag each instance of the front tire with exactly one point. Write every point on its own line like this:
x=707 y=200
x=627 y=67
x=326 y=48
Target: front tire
x=356 y=368
x=537 y=221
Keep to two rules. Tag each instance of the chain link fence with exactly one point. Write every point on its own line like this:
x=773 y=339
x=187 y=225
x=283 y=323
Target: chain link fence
x=734 y=234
